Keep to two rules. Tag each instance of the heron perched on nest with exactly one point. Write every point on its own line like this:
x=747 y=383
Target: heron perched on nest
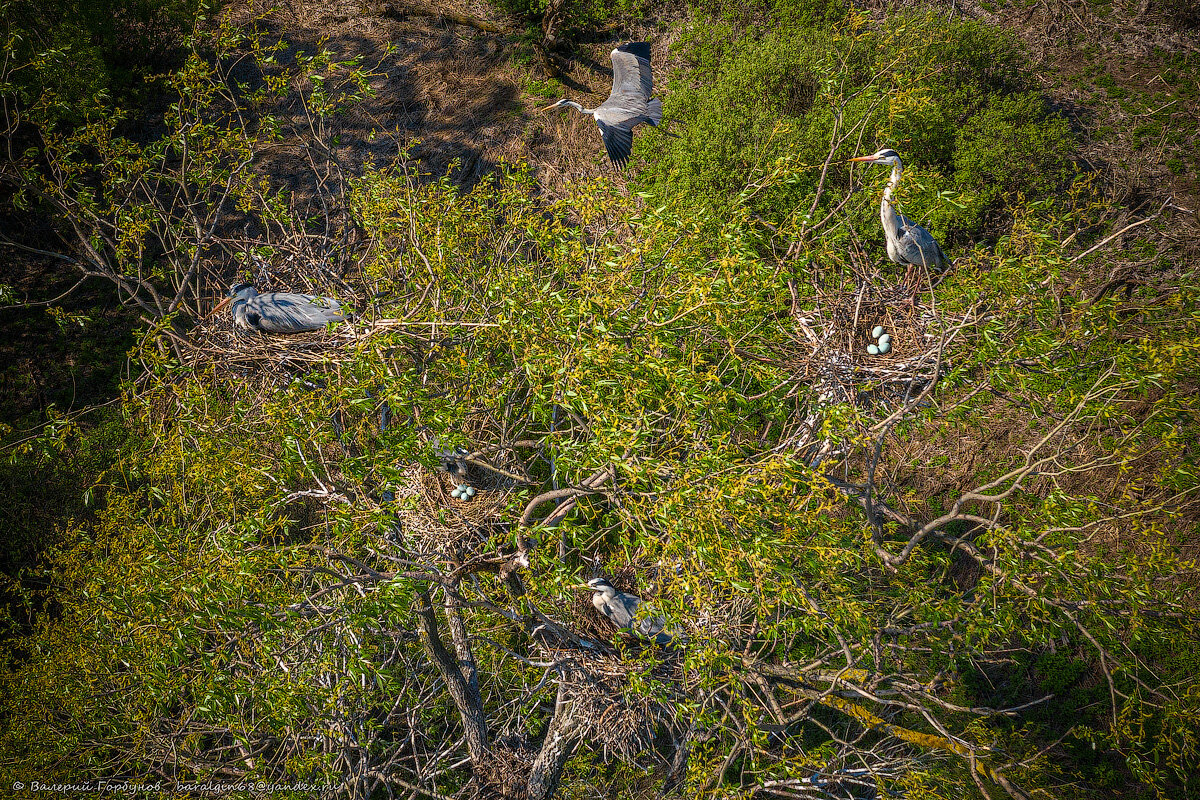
x=907 y=242
x=629 y=103
x=280 y=312
x=455 y=461
x=621 y=609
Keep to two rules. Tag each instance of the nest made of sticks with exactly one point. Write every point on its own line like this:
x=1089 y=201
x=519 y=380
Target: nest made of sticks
x=619 y=722
x=217 y=344
x=435 y=524
x=834 y=334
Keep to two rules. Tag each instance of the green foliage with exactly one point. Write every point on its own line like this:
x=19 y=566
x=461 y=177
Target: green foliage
x=954 y=98
x=263 y=547
x=179 y=607
x=81 y=54
x=578 y=16
x=1014 y=145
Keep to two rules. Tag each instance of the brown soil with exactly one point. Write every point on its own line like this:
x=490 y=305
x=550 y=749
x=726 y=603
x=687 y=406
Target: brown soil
x=463 y=100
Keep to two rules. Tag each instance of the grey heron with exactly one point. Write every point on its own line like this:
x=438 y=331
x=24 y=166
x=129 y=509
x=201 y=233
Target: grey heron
x=622 y=610
x=454 y=461
x=280 y=312
x=907 y=242
x=628 y=104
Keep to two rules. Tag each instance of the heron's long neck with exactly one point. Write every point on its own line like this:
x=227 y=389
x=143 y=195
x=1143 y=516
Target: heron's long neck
x=887 y=211
x=580 y=108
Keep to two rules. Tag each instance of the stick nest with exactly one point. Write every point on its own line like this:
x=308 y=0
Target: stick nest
x=831 y=353
x=622 y=721
x=435 y=524
x=218 y=345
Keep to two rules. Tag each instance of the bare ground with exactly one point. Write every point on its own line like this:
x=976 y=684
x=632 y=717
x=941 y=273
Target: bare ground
x=464 y=101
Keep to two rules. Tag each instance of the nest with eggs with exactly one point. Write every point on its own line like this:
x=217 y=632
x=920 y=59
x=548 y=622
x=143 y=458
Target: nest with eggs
x=833 y=337
x=435 y=524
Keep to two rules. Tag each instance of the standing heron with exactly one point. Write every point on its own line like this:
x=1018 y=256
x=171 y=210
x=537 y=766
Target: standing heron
x=628 y=104
x=907 y=242
x=280 y=312
x=621 y=609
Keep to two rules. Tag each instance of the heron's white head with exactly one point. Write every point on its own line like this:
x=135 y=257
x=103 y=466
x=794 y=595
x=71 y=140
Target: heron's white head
x=600 y=585
x=238 y=291
x=885 y=156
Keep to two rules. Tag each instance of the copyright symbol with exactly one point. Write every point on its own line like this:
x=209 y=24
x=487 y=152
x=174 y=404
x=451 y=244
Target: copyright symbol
x=18 y=785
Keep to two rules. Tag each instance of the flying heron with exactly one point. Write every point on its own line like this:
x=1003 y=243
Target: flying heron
x=621 y=609
x=280 y=312
x=907 y=242
x=628 y=104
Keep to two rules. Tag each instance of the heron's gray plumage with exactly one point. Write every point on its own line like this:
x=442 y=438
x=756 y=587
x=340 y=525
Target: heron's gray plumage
x=282 y=312
x=455 y=461
x=622 y=610
x=907 y=242
x=629 y=103
x=631 y=73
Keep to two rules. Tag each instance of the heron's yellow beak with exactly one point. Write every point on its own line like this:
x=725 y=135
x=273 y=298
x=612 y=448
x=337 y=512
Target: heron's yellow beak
x=547 y=108
x=222 y=305
x=861 y=158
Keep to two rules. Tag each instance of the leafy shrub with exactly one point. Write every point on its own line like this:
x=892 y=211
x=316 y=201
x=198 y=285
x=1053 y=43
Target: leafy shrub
x=793 y=97
x=82 y=51
x=1013 y=145
x=759 y=106
x=579 y=15
x=204 y=630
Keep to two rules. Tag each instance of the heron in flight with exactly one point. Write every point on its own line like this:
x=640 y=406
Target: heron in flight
x=907 y=242
x=280 y=312
x=622 y=610
x=628 y=104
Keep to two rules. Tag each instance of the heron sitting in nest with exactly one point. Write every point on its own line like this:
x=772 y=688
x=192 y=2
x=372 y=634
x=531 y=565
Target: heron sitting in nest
x=621 y=609
x=280 y=312
x=455 y=461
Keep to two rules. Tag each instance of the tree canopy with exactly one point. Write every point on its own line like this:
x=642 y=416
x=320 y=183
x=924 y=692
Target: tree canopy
x=956 y=569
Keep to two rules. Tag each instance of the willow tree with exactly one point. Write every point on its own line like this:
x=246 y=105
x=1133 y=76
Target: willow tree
x=948 y=569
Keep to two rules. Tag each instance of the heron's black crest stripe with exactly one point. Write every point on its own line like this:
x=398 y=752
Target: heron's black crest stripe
x=237 y=287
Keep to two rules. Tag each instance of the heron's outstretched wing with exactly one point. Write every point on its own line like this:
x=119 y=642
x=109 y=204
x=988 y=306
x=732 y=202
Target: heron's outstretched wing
x=293 y=313
x=618 y=141
x=654 y=113
x=632 y=77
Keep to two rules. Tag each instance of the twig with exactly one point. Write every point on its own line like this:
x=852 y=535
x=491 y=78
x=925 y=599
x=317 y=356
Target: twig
x=1128 y=227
